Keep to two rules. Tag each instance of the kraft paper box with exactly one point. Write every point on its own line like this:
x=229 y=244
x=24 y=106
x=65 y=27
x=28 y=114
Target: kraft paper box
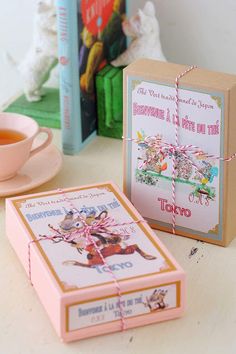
x=77 y=290
x=205 y=196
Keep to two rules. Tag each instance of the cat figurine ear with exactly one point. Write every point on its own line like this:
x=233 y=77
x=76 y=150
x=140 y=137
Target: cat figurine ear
x=142 y=18
x=144 y=30
x=149 y=9
x=42 y=7
x=141 y=15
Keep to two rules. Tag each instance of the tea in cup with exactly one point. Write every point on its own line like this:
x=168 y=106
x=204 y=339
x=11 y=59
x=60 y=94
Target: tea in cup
x=17 y=134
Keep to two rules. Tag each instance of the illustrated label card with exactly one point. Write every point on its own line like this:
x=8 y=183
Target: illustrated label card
x=129 y=251
x=151 y=112
x=137 y=303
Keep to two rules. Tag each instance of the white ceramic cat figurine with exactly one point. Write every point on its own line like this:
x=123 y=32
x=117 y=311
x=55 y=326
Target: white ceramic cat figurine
x=143 y=28
x=42 y=56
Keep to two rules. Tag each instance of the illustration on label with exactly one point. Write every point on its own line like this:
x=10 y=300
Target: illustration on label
x=198 y=186
x=153 y=165
x=121 y=246
x=104 y=245
x=156 y=301
x=149 y=301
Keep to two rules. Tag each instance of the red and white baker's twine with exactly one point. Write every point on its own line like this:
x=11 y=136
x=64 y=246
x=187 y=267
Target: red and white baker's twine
x=186 y=150
x=101 y=226
x=176 y=144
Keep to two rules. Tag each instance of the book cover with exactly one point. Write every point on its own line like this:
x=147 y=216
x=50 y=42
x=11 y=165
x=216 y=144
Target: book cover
x=90 y=36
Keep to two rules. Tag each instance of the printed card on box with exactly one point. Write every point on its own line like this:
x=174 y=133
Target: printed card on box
x=205 y=114
x=77 y=287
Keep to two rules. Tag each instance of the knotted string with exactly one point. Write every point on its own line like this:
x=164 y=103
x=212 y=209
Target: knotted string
x=177 y=146
x=155 y=143
x=87 y=231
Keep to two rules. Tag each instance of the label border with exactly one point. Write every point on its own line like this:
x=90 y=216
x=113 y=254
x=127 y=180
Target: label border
x=178 y=304
x=65 y=289
x=128 y=158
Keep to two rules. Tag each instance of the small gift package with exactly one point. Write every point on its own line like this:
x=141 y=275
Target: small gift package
x=179 y=148
x=96 y=265
x=109 y=83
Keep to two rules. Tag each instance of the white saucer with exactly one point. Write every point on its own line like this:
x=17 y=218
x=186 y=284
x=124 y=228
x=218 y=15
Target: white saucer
x=39 y=169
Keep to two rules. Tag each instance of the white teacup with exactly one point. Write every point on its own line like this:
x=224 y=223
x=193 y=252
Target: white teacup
x=14 y=155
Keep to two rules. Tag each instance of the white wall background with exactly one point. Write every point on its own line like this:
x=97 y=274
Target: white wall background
x=201 y=32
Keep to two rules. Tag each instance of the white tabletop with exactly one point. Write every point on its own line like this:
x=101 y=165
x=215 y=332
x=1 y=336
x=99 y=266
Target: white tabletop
x=209 y=325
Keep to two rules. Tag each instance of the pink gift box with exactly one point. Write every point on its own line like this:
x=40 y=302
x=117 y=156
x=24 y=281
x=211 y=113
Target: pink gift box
x=79 y=291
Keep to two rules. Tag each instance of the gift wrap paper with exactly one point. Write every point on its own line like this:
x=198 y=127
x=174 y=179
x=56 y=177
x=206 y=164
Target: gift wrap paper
x=205 y=197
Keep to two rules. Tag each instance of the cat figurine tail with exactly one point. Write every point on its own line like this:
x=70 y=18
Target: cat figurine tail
x=144 y=30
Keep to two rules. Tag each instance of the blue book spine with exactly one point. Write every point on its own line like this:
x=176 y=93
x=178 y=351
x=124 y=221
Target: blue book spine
x=77 y=94
x=69 y=80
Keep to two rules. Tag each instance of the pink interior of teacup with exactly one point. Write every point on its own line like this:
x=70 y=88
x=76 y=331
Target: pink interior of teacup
x=18 y=122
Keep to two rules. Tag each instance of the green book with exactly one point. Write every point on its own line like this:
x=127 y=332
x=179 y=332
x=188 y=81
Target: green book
x=109 y=87
x=46 y=112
